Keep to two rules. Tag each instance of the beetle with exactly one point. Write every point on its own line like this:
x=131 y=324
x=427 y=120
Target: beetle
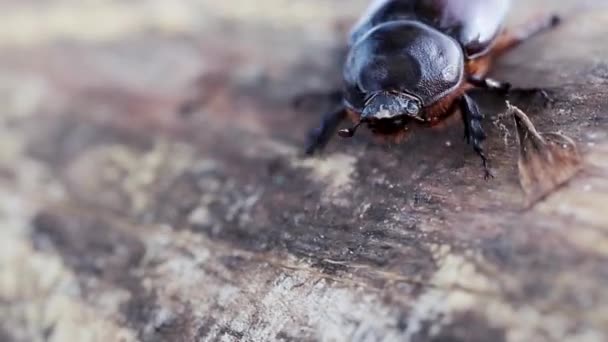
x=412 y=63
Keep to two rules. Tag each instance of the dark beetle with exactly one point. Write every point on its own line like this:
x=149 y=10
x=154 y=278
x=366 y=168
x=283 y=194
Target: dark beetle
x=411 y=63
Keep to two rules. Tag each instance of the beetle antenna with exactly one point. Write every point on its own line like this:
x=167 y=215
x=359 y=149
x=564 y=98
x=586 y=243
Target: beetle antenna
x=350 y=132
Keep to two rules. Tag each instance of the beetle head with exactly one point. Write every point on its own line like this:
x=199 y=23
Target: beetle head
x=391 y=105
x=391 y=108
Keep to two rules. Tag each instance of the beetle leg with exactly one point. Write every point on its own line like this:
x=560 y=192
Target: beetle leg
x=490 y=84
x=505 y=88
x=473 y=132
x=320 y=136
x=512 y=38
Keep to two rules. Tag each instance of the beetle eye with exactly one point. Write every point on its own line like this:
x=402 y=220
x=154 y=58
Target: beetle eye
x=412 y=107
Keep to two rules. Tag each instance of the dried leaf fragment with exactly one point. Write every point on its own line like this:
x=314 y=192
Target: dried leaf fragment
x=546 y=161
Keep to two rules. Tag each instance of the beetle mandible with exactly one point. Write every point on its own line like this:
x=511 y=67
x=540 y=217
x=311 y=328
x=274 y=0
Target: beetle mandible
x=413 y=62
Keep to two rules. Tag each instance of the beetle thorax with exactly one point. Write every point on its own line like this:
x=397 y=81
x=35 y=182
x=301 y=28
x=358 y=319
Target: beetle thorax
x=403 y=56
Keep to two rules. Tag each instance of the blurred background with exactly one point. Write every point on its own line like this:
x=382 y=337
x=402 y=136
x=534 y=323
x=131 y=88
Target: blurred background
x=151 y=184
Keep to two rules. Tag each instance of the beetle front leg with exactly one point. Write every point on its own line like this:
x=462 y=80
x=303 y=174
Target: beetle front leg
x=490 y=84
x=320 y=136
x=505 y=88
x=473 y=131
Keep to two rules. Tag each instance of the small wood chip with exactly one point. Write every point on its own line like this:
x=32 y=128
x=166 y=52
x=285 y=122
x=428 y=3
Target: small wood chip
x=546 y=160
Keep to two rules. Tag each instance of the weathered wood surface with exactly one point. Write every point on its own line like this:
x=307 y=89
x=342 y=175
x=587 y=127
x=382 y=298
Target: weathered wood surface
x=122 y=220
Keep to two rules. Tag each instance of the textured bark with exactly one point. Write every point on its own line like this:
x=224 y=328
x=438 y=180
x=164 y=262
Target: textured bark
x=122 y=219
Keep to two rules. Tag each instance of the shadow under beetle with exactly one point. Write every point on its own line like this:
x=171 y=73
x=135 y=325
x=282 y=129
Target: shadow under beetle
x=413 y=62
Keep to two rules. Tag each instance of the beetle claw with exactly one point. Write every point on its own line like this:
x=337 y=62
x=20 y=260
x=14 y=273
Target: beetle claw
x=346 y=133
x=554 y=20
x=488 y=175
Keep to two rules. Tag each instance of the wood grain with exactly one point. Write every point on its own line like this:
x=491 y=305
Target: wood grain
x=124 y=220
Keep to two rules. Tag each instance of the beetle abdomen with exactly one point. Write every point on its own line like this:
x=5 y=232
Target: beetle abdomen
x=475 y=24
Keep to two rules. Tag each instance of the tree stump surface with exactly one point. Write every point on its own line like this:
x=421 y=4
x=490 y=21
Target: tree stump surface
x=124 y=220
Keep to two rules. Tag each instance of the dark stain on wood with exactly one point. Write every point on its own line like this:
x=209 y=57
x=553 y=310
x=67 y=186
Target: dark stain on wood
x=458 y=331
x=226 y=191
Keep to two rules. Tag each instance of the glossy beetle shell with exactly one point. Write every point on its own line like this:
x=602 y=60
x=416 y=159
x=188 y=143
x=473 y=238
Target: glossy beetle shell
x=403 y=56
x=473 y=23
